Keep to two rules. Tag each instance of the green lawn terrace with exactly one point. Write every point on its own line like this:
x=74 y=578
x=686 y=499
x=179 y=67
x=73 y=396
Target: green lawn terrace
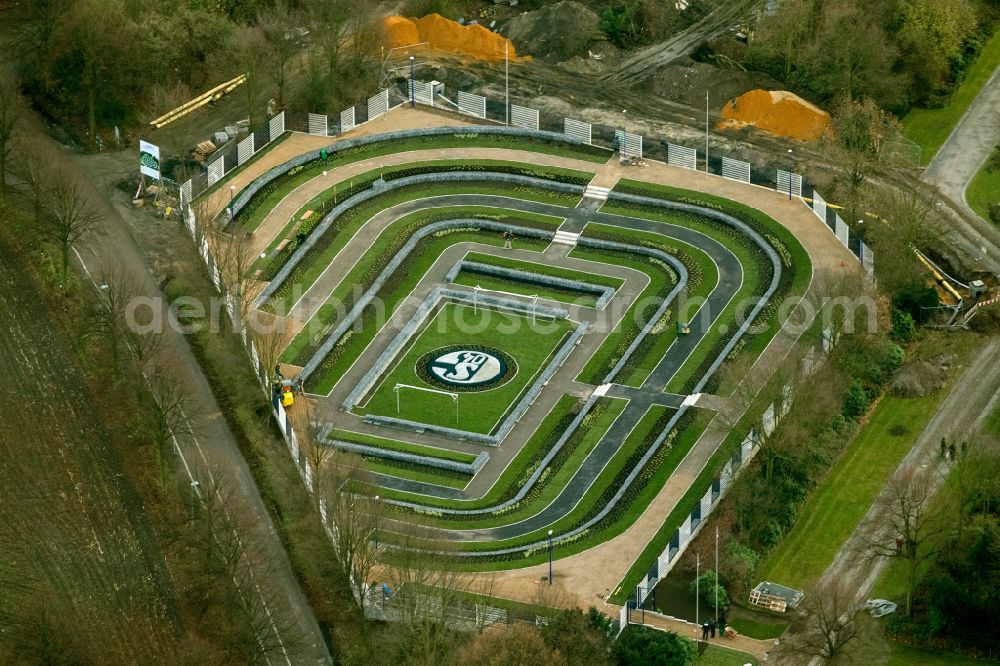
x=525 y=347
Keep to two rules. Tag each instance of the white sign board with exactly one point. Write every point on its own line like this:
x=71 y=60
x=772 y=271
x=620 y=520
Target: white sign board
x=149 y=160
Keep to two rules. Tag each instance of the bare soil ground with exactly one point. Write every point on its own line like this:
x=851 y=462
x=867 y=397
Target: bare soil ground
x=75 y=542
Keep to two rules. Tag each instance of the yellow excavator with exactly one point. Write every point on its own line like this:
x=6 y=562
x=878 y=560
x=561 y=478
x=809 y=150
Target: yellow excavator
x=284 y=389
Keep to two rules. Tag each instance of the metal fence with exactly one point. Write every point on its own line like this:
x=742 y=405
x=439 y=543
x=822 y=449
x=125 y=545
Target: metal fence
x=634 y=145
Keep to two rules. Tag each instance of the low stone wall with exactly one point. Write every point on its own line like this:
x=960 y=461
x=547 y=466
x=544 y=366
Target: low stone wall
x=426 y=461
x=603 y=293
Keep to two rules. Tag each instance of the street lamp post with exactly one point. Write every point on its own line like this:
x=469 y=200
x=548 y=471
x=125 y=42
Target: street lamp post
x=550 y=557
x=790 y=166
x=376 y=530
x=706 y=130
x=861 y=239
x=413 y=96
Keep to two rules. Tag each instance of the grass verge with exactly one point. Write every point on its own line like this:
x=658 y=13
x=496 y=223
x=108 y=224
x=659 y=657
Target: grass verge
x=984 y=191
x=836 y=507
x=930 y=127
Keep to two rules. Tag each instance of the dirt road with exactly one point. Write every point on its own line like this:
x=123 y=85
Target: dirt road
x=961 y=412
x=123 y=237
x=645 y=61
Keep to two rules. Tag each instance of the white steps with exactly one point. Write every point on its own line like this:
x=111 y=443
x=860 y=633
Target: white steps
x=595 y=192
x=565 y=238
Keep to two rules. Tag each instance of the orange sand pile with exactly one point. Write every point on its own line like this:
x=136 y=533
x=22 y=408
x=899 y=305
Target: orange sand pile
x=446 y=36
x=778 y=112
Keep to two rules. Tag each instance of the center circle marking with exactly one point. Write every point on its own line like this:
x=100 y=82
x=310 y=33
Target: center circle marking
x=467 y=368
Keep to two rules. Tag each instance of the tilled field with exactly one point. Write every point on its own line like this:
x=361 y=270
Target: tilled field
x=80 y=577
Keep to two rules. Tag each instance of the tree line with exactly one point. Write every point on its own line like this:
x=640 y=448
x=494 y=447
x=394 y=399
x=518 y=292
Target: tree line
x=92 y=65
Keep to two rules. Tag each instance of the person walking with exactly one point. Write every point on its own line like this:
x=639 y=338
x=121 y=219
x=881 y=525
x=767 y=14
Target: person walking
x=711 y=627
x=507 y=238
x=704 y=631
x=722 y=625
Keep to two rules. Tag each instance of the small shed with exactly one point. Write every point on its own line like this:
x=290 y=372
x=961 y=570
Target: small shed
x=775 y=597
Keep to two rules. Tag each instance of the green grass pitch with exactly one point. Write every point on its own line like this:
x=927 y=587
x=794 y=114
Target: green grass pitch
x=529 y=345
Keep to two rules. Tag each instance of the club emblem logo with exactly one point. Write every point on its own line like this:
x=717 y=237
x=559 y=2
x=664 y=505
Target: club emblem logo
x=464 y=367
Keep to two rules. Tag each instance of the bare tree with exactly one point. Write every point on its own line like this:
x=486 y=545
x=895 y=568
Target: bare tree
x=235 y=570
x=429 y=598
x=32 y=168
x=904 y=521
x=317 y=453
x=235 y=256
x=70 y=217
x=269 y=339
x=11 y=116
x=355 y=521
x=118 y=290
x=832 y=625
x=170 y=410
x=282 y=46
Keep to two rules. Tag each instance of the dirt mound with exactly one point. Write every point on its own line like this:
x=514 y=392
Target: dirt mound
x=919 y=378
x=446 y=36
x=777 y=111
x=555 y=32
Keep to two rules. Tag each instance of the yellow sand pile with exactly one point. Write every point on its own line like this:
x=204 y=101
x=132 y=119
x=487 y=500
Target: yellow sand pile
x=777 y=111
x=446 y=36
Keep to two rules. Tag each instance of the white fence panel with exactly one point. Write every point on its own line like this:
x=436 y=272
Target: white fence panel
x=789 y=182
x=474 y=105
x=276 y=126
x=378 y=105
x=630 y=145
x=347 y=119
x=843 y=233
x=746 y=448
x=682 y=156
x=317 y=124
x=244 y=150
x=735 y=169
x=293 y=445
x=216 y=170
x=577 y=129
x=189 y=219
x=185 y=195
x=827 y=339
x=767 y=420
x=522 y=116
x=706 y=506
x=819 y=206
x=726 y=475
x=423 y=92
x=786 y=398
x=867 y=258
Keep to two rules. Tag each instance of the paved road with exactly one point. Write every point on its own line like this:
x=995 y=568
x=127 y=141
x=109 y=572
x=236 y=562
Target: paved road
x=965 y=151
x=972 y=397
x=124 y=240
